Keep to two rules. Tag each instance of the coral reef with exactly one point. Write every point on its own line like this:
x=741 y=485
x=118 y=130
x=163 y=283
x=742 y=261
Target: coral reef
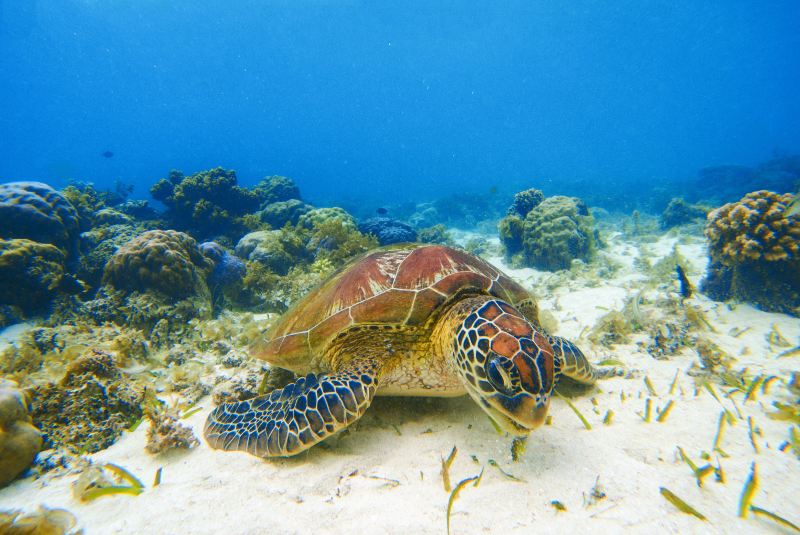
x=99 y=244
x=679 y=212
x=228 y=269
x=388 y=230
x=754 y=247
x=525 y=201
x=31 y=273
x=20 y=441
x=36 y=211
x=89 y=408
x=278 y=214
x=551 y=235
x=206 y=204
x=162 y=260
x=276 y=189
x=435 y=234
x=726 y=183
x=138 y=209
x=319 y=216
x=277 y=250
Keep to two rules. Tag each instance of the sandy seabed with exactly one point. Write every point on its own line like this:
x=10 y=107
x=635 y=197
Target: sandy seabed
x=385 y=475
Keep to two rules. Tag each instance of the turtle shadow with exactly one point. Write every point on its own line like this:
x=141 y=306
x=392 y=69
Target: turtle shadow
x=386 y=414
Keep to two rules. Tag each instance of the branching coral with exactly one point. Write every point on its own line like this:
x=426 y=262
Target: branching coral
x=754 y=246
x=20 y=441
x=207 y=203
x=163 y=260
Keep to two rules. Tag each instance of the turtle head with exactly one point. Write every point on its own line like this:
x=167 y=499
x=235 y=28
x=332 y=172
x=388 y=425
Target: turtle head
x=506 y=365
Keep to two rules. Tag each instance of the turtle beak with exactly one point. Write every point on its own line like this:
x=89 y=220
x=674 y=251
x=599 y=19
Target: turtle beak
x=518 y=415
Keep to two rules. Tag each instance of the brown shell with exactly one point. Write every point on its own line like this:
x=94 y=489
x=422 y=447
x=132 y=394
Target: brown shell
x=399 y=286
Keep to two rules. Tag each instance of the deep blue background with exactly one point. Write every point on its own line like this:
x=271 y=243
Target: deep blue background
x=395 y=100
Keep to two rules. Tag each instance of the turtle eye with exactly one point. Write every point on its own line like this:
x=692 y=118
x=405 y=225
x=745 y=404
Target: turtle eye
x=500 y=373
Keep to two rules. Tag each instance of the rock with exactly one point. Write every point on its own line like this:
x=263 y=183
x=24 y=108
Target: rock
x=388 y=230
x=20 y=441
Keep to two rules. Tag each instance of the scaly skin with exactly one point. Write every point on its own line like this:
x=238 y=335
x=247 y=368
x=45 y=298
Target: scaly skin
x=503 y=362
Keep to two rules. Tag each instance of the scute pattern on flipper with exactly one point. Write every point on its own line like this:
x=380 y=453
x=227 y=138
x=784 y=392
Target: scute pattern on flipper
x=296 y=417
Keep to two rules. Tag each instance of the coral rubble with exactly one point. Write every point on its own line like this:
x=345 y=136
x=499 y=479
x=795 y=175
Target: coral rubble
x=754 y=247
x=89 y=408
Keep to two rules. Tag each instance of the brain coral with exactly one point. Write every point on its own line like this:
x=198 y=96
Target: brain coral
x=19 y=440
x=754 y=245
x=36 y=211
x=553 y=234
x=164 y=260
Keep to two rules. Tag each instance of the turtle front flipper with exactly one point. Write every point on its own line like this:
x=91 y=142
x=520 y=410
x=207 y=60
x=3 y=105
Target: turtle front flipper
x=293 y=419
x=574 y=364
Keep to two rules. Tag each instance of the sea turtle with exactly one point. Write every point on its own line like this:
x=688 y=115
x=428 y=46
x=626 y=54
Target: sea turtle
x=413 y=320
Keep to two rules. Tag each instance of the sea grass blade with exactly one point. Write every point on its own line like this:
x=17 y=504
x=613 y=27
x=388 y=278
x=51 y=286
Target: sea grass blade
x=720 y=432
x=95 y=493
x=512 y=477
x=190 y=412
x=608 y=417
x=446 y=463
x=777 y=518
x=454 y=495
x=751 y=433
x=749 y=489
x=586 y=423
x=674 y=382
x=679 y=504
x=124 y=474
x=649 y=385
x=664 y=412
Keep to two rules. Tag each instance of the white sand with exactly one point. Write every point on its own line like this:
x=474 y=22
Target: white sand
x=384 y=477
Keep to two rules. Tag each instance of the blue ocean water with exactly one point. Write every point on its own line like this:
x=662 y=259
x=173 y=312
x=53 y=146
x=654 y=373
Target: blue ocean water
x=387 y=101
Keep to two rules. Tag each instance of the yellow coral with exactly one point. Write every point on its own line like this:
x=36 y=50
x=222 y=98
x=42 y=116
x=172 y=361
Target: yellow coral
x=755 y=228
